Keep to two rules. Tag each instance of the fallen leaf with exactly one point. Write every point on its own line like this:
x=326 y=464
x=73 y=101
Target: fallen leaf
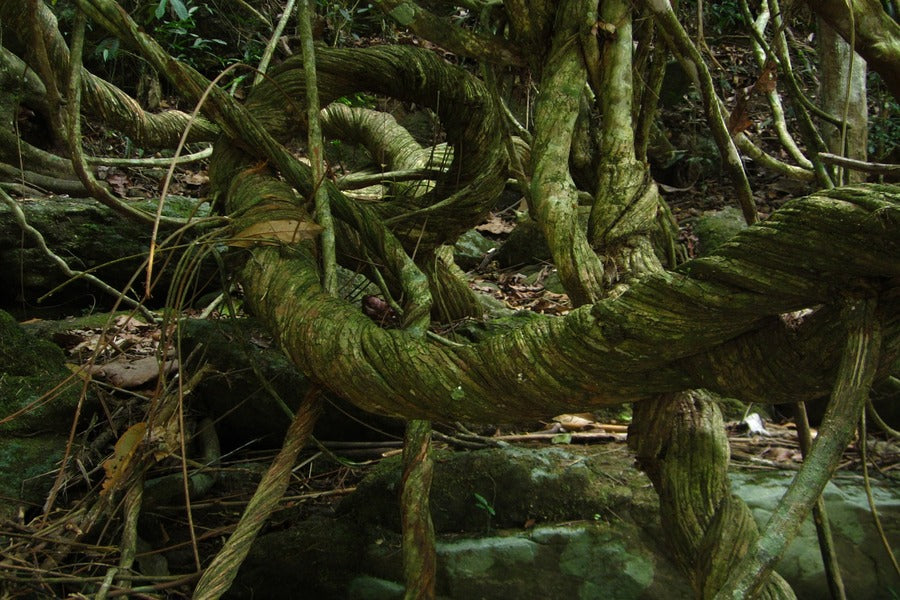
x=286 y=231
x=198 y=178
x=496 y=225
x=120 y=183
x=117 y=466
x=574 y=422
x=129 y=374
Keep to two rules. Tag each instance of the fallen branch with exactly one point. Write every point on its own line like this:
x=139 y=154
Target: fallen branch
x=859 y=165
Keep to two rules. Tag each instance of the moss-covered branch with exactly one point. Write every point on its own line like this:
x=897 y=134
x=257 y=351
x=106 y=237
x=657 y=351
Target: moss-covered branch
x=876 y=34
x=553 y=193
x=703 y=326
x=452 y=37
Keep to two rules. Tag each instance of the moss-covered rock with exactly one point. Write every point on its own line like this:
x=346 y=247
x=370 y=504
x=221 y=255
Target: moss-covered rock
x=520 y=486
x=617 y=554
x=273 y=569
x=471 y=248
x=714 y=228
x=29 y=369
x=598 y=538
x=33 y=440
x=89 y=236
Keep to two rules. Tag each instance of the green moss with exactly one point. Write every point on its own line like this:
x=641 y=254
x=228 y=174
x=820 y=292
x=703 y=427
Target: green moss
x=29 y=368
x=543 y=485
x=27 y=466
x=717 y=227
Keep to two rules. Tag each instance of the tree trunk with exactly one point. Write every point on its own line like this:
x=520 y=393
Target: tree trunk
x=842 y=85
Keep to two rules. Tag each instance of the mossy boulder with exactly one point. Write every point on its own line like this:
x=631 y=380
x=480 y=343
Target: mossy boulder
x=89 y=236
x=521 y=486
x=716 y=227
x=570 y=521
x=30 y=368
x=39 y=413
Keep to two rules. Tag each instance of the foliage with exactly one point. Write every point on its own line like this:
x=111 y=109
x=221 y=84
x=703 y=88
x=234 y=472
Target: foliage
x=178 y=7
x=197 y=32
x=348 y=21
x=180 y=35
x=884 y=122
x=721 y=18
x=482 y=503
x=358 y=100
x=724 y=17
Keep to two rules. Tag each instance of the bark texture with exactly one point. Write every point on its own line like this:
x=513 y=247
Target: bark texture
x=875 y=33
x=712 y=324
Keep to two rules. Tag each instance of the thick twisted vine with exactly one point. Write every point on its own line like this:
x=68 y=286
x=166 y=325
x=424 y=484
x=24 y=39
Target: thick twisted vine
x=681 y=444
x=714 y=323
x=710 y=324
x=473 y=179
x=854 y=378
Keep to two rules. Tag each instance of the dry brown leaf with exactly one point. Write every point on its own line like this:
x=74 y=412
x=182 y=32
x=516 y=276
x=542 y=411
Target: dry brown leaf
x=120 y=183
x=164 y=440
x=496 y=225
x=196 y=178
x=768 y=79
x=279 y=231
x=738 y=120
x=574 y=422
x=780 y=454
x=129 y=374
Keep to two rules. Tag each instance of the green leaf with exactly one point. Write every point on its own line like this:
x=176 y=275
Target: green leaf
x=160 y=9
x=562 y=438
x=180 y=10
x=482 y=503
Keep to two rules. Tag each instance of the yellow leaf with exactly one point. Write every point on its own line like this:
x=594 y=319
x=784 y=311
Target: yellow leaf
x=286 y=231
x=79 y=371
x=118 y=465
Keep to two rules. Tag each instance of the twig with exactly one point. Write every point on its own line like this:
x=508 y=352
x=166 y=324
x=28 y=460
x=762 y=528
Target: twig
x=149 y=162
x=168 y=178
x=859 y=165
x=354 y=181
x=128 y=543
x=273 y=41
x=873 y=414
x=868 y=487
x=289 y=500
x=820 y=516
x=316 y=149
x=462 y=442
x=586 y=437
